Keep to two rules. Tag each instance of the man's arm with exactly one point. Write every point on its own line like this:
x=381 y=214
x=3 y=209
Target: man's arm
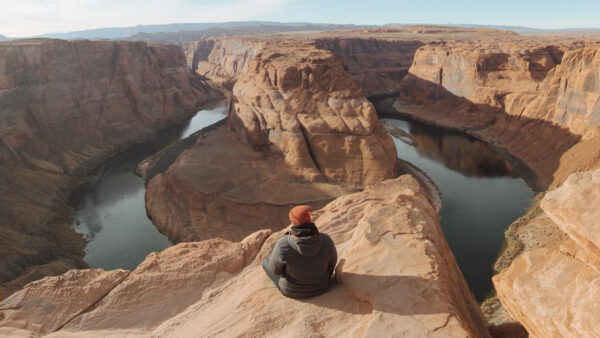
x=276 y=264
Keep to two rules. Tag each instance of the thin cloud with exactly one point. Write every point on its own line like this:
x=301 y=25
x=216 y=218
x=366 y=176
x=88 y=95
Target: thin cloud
x=33 y=17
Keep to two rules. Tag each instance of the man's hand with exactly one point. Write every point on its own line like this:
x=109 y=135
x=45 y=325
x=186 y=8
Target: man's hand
x=336 y=278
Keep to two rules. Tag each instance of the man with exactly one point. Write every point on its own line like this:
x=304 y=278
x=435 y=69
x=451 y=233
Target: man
x=303 y=261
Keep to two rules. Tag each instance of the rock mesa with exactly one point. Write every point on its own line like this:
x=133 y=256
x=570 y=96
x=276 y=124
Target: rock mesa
x=301 y=103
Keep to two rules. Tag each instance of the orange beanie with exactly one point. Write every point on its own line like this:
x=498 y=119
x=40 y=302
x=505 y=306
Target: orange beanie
x=300 y=214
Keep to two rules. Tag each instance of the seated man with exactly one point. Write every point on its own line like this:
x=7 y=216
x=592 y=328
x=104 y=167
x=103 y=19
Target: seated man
x=303 y=261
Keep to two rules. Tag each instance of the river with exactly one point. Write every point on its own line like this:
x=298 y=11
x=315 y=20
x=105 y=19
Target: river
x=110 y=210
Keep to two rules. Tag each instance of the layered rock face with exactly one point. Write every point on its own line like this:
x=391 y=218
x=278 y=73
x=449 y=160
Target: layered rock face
x=534 y=99
x=298 y=101
x=376 y=65
x=221 y=60
x=558 y=84
x=554 y=292
x=398 y=278
x=65 y=107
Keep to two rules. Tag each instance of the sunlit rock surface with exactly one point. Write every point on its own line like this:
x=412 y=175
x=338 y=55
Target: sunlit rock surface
x=298 y=101
x=575 y=207
x=555 y=292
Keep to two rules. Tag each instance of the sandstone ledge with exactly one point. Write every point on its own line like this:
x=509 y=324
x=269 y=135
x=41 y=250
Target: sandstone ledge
x=399 y=278
x=553 y=292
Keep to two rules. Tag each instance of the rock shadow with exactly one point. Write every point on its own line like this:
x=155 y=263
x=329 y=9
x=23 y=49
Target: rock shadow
x=364 y=293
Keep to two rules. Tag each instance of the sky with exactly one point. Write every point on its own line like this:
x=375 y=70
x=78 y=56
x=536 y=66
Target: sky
x=20 y=18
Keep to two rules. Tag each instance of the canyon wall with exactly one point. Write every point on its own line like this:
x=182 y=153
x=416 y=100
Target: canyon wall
x=555 y=83
x=396 y=276
x=532 y=98
x=376 y=65
x=221 y=60
x=64 y=108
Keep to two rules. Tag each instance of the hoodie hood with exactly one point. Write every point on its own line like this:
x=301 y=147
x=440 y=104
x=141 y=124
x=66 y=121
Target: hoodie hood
x=304 y=230
x=305 y=246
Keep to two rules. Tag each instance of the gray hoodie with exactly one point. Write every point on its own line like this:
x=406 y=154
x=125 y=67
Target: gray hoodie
x=304 y=263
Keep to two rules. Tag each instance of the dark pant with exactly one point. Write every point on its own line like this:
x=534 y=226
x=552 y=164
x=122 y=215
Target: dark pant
x=274 y=277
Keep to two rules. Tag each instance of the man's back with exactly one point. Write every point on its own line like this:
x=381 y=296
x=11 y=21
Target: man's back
x=306 y=264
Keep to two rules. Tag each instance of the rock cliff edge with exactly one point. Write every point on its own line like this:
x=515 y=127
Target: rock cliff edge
x=398 y=277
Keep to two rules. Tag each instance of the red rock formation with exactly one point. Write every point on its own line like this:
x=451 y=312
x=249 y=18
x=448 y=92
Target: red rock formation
x=398 y=278
x=305 y=135
x=66 y=106
x=299 y=102
x=558 y=84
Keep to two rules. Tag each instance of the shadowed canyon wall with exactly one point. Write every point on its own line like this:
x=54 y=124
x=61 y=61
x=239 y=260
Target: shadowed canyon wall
x=65 y=107
x=376 y=65
x=221 y=60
